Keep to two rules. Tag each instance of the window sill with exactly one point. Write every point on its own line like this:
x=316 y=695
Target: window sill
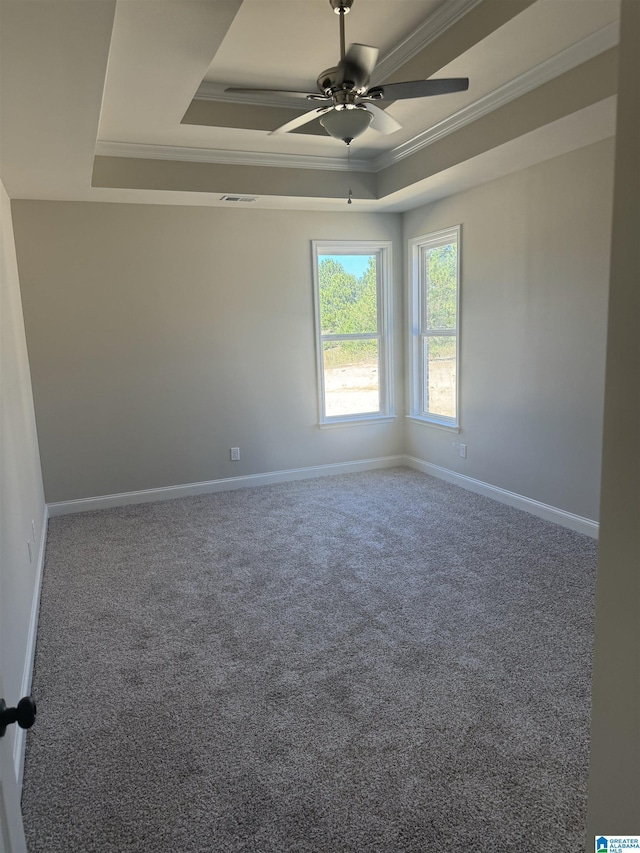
x=349 y=422
x=428 y=422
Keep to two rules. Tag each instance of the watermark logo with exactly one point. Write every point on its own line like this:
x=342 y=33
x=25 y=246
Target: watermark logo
x=617 y=843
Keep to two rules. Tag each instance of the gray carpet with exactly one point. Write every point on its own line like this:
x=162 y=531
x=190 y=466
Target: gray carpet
x=368 y=662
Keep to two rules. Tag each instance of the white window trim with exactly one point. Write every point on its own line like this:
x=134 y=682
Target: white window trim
x=385 y=324
x=414 y=358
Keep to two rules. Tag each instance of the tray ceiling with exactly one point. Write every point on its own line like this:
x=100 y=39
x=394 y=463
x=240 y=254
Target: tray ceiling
x=125 y=100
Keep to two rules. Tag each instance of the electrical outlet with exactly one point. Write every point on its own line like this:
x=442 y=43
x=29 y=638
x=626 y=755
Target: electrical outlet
x=235 y=454
x=463 y=450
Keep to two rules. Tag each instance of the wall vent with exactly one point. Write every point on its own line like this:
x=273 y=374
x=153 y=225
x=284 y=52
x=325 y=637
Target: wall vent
x=244 y=198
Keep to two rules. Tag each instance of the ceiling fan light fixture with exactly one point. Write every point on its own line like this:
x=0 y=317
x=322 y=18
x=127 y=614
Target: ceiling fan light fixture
x=346 y=124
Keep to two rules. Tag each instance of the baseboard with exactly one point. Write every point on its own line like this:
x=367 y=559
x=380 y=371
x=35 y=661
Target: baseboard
x=542 y=510
x=222 y=485
x=19 y=743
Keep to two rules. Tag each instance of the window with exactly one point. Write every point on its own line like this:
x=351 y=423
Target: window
x=434 y=318
x=353 y=323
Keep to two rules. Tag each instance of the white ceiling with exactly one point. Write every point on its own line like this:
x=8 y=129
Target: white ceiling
x=81 y=78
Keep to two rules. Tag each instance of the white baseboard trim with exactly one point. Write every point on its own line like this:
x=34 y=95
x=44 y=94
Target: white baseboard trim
x=542 y=510
x=222 y=485
x=19 y=743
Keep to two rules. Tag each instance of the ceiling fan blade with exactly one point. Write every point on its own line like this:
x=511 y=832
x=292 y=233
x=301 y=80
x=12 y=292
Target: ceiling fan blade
x=315 y=96
x=382 y=121
x=298 y=121
x=419 y=88
x=359 y=62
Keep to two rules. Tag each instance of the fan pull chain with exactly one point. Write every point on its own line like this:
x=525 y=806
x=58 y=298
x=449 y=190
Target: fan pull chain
x=349 y=173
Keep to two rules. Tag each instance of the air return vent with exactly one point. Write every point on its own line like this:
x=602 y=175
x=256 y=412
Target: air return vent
x=244 y=198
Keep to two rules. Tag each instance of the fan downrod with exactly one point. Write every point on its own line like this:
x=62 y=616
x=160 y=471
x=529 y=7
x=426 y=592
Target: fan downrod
x=342 y=83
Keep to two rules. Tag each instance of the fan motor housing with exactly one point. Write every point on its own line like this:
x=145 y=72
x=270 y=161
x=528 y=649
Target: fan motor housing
x=342 y=78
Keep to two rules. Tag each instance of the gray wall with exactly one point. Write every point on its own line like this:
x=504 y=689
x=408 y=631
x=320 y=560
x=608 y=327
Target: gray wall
x=535 y=271
x=21 y=494
x=159 y=337
x=614 y=797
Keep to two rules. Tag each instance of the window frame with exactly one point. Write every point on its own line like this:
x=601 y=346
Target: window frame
x=382 y=249
x=417 y=335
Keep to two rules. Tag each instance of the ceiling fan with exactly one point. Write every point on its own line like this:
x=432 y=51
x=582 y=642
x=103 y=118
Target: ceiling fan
x=348 y=101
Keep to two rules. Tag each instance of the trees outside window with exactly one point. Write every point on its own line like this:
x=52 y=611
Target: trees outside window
x=352 y=301
x=434 y=287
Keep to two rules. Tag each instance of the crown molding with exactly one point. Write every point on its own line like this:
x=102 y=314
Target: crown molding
x=569 y=58
x=433 y=27
x=220 y=156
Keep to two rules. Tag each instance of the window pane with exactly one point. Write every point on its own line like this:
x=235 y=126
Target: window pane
x=440 y=286
x=439 y=364
x=351 y=378
x=348 y=294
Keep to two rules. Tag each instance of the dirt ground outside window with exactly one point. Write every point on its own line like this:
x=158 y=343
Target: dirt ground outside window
x=353 y=388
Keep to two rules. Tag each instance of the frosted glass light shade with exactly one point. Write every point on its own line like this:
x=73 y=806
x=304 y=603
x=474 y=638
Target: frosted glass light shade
x=346 y=124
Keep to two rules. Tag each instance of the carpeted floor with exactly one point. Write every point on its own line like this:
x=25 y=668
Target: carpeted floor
x=367 y=663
